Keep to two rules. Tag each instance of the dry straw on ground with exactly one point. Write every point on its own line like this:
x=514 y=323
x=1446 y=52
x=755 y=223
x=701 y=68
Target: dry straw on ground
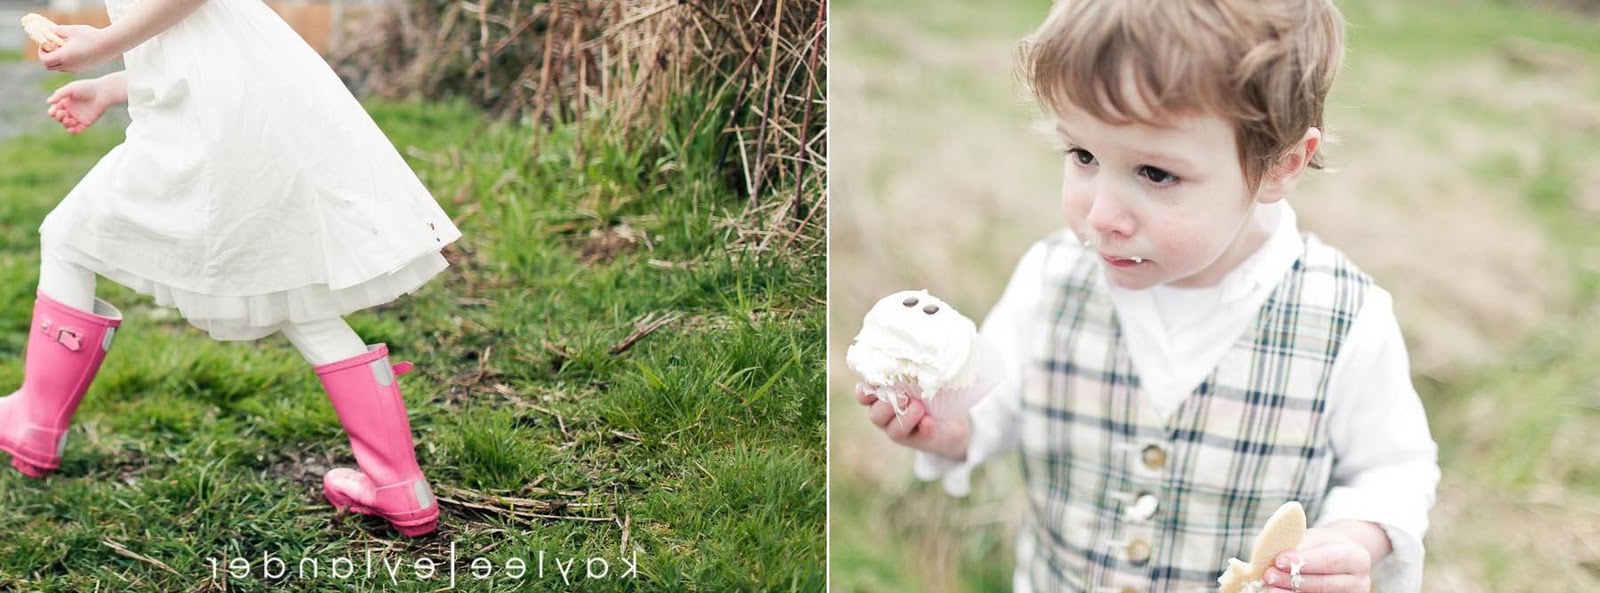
x=556 y=61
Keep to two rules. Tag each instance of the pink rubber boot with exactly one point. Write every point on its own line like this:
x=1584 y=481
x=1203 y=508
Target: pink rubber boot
x=389 y=484
x=65 y=348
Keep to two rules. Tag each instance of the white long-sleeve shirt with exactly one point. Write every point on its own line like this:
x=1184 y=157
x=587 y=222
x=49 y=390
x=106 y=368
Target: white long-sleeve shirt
x=1385 y=461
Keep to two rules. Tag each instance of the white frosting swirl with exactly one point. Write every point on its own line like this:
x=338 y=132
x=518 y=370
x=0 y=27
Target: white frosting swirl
x=926 y=344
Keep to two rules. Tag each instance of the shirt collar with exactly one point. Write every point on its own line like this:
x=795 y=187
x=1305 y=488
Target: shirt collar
x=1264 y=268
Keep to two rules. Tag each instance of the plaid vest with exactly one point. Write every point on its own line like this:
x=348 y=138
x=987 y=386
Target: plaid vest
x=1125 y=501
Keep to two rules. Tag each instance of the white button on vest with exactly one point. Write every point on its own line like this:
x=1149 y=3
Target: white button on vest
x=1144 y=507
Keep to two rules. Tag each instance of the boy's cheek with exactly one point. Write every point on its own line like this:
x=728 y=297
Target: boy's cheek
x=1074 y=211
x=1187 y=239
x=1076 y=201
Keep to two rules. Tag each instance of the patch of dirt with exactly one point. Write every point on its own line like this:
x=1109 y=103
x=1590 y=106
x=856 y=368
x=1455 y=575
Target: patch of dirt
x=1469 y=266
x=1461 y=263
x=1543 y=57
x=1582 y=8
x=1587 y=198
x=604 y=245
x=301 y=467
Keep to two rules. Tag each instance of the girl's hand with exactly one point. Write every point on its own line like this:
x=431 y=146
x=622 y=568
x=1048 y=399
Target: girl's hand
x=914 y=427
x=79 y=104
x=86 y=49
x=1330 y=562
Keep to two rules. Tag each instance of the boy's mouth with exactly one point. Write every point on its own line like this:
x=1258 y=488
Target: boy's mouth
x=1122 y=262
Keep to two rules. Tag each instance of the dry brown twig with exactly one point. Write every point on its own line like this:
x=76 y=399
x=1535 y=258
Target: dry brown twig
x=522 y=508
x=644 y=326
x=122 y=550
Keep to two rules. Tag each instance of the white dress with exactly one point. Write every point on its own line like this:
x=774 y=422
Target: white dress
x=252 y=188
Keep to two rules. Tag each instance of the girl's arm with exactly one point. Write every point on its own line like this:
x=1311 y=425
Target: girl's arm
x=147 y=19
x=115 y=86
x=88 y=47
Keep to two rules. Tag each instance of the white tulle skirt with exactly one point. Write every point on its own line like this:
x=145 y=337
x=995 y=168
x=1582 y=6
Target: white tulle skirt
x=256 y=316
x=252 y=189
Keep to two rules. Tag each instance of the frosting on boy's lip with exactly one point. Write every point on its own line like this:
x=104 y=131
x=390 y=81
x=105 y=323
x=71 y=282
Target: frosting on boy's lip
x=1122 y=262
x=1116 y=260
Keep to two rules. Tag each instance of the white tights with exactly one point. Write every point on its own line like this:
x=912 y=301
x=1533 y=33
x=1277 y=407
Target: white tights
x=324 y=340
x=70 y=284
x=320 y=342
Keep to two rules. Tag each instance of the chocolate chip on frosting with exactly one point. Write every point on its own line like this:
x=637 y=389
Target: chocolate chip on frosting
x=910 y=302
x=930 y=309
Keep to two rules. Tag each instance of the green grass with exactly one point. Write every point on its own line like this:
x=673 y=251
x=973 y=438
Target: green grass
x=701 y=446
x=1546 y=387
x=1425 y=34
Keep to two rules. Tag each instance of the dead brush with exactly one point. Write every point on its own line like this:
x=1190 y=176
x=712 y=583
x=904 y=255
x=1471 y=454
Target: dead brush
x=539 y=63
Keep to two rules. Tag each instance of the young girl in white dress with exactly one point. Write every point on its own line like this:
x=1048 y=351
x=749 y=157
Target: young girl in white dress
x=255 y=195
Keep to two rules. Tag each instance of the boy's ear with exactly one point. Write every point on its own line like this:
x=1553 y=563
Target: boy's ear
x=1281 y=179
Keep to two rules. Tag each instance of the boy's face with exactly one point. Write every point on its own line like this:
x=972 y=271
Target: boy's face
x=1160 y=205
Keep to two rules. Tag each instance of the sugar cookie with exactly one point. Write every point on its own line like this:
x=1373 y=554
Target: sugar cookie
x=1282 y=532
x=40 y=30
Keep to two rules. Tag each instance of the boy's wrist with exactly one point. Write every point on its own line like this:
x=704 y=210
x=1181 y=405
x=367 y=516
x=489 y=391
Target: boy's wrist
x=961 y=438
x=1367 y=534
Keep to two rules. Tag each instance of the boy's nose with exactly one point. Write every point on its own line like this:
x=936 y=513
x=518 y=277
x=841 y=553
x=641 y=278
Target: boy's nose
x=1108 y=217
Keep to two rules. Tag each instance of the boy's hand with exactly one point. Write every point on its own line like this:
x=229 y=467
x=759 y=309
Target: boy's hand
x=86 y=48
x=915 y=428
x=1331 y=562
x=79 y=104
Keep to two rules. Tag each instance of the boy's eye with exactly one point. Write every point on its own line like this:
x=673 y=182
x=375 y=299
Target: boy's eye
x=1157 y=176
x=1080 y=156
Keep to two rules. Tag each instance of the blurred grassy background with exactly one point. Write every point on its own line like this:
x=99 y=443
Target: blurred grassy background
x=1462 y=183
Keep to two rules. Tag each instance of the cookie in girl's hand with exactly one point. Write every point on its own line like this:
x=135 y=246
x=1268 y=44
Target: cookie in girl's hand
x=1282 y=532
x=41 y=30
x=912 y=343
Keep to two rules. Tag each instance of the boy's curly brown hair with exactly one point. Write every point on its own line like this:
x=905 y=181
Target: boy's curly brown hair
x=1265 y=65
